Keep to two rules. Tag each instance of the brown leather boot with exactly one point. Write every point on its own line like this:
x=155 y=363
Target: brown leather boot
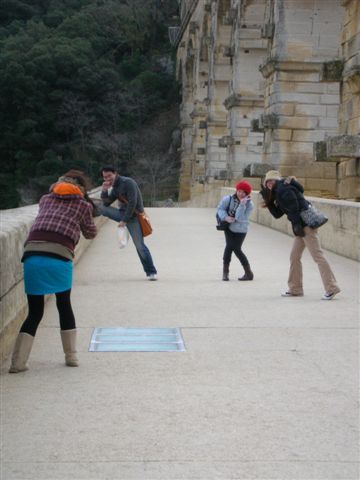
x=248 y=274
x=225 y=272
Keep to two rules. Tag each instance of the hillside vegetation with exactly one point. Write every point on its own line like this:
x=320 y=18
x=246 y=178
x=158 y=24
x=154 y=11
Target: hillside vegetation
x=81 y=83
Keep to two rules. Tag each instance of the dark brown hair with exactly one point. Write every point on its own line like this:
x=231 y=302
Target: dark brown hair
x=107 y=168
x=268 y=197
x=80 y=178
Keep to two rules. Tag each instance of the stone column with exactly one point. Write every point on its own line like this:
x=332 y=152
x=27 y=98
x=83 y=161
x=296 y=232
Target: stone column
x=344 y=149
x=301 y=101
x=199 y=118
x=189 y=47
x=246 y=90
x=219 y=78
x=186 y=126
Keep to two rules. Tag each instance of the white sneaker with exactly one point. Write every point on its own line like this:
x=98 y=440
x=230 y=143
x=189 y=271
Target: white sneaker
x=328 y=296
x=152 y=277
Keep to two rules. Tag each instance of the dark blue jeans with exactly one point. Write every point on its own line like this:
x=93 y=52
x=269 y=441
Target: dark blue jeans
x=136 y=234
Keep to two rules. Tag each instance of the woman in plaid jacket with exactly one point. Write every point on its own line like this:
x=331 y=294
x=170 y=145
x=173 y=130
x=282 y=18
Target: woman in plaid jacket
x=64 y=213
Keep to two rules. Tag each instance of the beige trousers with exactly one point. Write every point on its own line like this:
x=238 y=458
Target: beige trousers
x=311 y=241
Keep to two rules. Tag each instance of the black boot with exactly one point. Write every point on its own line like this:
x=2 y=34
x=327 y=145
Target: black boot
x=248 y=274
x=225 y=272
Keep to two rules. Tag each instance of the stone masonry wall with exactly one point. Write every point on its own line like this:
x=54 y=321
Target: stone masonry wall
x=262 y=84
x=300 y=103
x=349 y=118
x=246 y=100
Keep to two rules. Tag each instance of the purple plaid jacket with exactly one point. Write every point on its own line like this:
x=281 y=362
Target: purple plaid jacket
x=65 y=215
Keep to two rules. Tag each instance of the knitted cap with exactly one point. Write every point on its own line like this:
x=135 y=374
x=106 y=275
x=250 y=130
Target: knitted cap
x=67 y=188
x=272 y=175
x=244 y=186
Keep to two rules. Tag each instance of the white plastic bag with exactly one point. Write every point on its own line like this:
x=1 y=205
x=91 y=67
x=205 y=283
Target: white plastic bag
x=123 y=236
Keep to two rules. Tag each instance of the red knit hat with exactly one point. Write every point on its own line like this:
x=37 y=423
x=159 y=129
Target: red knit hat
x=245 y=186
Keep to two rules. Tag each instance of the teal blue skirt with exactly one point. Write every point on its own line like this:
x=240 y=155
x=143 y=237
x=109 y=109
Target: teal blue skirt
x=44 y=275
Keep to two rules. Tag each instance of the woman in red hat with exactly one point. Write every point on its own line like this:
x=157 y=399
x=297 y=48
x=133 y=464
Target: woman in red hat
x=233 y=217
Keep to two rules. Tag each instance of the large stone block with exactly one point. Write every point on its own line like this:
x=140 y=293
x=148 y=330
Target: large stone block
x=331 y=111
x=297 y=147
x=329 y=99
x=333 y=88
x=295 y=159
x=352 y=78
x=311 y=98
x=282 y=134
x=302 y=123
x=352 y=167
x=343 y=146
x=256 y=150
x=354 y=125
x=329 y=170
x=244 y=122
x=268 y=121
x=310 y=87
x=349 y=188
x=332 y=71
x=320 y=152
x=304 y=76
x=329 y=123
x=308 y=135
x=287 y=109
x=310 y=110
x=258 y=169
x=324 y=184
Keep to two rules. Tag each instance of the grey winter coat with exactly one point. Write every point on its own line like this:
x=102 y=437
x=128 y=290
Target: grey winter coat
x=124 y=188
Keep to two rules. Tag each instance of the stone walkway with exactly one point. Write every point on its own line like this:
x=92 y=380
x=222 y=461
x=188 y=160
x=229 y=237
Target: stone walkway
x=267 y=389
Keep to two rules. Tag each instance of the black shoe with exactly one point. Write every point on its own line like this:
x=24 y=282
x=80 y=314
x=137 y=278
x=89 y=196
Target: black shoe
x=247 y=276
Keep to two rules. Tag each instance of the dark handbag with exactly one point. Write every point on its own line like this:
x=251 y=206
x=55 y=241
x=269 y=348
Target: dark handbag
x=312 y=217
x=222 y=225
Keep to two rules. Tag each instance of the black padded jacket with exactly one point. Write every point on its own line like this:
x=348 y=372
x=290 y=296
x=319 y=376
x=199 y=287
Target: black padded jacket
x=289 y=200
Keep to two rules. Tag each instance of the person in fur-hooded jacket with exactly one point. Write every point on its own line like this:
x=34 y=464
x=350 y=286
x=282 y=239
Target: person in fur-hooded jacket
x=285 y=196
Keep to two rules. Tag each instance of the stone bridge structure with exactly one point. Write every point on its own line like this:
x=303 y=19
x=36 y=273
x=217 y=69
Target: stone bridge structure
x=270 y=84
x=267 y=387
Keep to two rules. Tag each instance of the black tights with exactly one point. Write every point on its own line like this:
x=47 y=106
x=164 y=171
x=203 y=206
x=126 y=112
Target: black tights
x=36 y=312
x=234 y=243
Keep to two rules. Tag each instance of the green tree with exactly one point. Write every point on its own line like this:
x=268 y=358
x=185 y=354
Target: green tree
x=79 y=77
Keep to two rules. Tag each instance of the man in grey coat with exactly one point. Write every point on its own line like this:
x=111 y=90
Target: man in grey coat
x=126 y=190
